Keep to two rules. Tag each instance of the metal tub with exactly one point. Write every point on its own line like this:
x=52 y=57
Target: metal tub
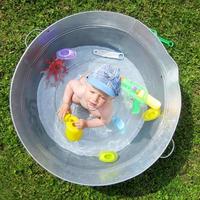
x=158 y=69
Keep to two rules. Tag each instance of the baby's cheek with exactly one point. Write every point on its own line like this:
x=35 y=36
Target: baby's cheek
x=101 y=101
x=87 y=96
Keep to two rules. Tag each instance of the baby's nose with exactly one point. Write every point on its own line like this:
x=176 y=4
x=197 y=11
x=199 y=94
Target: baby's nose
x=95 y=98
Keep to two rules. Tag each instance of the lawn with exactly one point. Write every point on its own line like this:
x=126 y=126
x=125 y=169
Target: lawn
x=177 y=177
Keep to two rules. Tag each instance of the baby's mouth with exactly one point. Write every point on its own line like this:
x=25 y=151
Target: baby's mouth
x=91 y=105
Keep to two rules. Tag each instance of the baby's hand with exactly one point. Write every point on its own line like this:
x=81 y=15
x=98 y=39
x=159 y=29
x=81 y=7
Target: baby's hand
x=63 y=110
x=81 y=124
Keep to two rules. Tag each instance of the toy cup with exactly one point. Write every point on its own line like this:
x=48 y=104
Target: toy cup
x=72 y=133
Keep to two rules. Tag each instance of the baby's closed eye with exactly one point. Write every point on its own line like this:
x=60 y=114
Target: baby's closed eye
x=103 y=98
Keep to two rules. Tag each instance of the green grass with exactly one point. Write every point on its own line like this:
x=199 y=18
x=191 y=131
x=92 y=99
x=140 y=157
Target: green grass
x=177 y=177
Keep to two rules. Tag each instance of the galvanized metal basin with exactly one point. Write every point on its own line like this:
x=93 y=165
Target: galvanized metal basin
x=159 y=72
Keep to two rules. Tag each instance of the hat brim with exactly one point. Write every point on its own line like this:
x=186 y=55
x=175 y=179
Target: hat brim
x=101 y=86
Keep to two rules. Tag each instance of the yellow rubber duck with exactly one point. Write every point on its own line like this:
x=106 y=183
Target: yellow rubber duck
x=72 y=133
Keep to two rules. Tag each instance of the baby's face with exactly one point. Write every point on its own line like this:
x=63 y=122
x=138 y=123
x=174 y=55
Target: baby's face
x=95 y=98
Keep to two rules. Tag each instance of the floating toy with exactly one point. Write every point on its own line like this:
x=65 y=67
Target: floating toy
x=57 y=65
x=72 y=133
x=149 y=100
x=118 y=122
x=139 y=95
x=151 y=114
x=108 y=54
x=131 y=89
x=108 y=156
x=163 y=40
x=56 y=68
x=66 y=54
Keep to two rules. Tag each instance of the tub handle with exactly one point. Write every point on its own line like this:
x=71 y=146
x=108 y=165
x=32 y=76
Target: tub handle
x=26 y=38
x=169 y=154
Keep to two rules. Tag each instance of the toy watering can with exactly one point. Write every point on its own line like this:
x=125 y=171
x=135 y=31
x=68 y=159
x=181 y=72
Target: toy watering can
x=72 y=133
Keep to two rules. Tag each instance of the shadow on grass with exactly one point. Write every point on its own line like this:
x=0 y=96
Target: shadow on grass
x=164 y=170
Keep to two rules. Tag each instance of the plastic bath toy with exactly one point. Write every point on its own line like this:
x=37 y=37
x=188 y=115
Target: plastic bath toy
x=57 y=65
x=56 y=68
x=131 y=89
x=108 y=156
x=108 y=54
x=149 y=100
x=118 y=122
x=139 y=95
x=151 y=114
x=72 y=133
x=163 y=40
x=66 y=54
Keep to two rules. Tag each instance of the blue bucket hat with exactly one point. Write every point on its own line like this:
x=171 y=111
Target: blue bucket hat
x=107 y=79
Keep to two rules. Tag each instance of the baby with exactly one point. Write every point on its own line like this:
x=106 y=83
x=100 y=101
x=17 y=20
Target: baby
x=94 y=92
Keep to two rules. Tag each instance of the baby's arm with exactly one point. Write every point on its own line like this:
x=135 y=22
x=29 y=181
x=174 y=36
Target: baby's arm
x=104 y=118
x=92 y=123
x=67 y=99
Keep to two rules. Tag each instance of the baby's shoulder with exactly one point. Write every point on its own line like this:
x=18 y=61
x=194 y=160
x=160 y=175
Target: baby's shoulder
x=78 y=86
x=82 y=80
x=78 y=82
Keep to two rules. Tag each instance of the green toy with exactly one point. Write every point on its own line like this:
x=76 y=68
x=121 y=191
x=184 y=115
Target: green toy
x=139 y=95
x=163 y=40
x=131 y=89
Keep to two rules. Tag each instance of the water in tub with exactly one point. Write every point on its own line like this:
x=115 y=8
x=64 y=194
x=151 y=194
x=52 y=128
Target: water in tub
x=94 y=139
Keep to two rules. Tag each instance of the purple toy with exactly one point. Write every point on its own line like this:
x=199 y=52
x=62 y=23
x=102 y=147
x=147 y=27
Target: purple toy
x=66 y=54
